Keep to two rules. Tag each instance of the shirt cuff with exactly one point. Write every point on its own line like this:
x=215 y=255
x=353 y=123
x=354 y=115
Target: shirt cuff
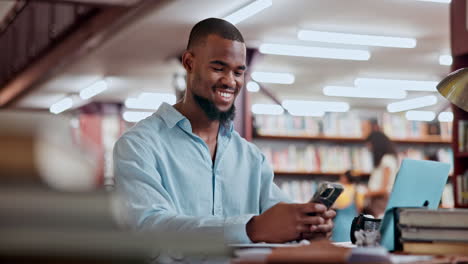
x=235 y=231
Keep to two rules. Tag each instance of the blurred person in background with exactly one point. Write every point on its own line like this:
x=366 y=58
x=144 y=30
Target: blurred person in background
x=186 y=169
x=347 y=206
x=385 y=161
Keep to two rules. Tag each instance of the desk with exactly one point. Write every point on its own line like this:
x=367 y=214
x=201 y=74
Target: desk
x=326 y=252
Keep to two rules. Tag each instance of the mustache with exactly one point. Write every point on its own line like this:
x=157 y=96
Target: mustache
x=224 y=87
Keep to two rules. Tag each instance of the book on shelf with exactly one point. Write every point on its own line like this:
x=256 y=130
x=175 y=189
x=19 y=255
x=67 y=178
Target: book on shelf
x=442 y=154
x=349 y=125
x=300 y=191
x=447 y=200
x=333 y=158
x=318 y=158
x=462 y=190
x=463 y=136
x=436 y=248
x=397 y=126
x=287 y=125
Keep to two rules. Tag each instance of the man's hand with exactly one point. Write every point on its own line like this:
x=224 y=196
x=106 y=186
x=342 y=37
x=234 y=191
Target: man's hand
x=286 y=222
x=323 y=231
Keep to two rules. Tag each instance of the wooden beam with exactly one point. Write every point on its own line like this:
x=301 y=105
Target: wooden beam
x=458 y=27
x=96 y=2
x=88 y=37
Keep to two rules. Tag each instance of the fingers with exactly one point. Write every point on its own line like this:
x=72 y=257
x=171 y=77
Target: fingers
x=312 y=208
x=329 y=214
x=322 y=228
x=302 y=228
x=312 y=220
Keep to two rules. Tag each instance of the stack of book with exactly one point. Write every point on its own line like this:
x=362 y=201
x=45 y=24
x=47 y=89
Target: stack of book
x=434 y=232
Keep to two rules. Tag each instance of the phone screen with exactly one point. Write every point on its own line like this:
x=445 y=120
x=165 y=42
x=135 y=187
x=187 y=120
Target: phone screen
x=327 y=193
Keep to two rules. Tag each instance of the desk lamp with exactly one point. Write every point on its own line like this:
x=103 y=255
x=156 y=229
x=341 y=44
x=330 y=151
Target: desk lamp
x=454 y=87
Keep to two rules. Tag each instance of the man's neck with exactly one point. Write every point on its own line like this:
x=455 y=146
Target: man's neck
x=201 y=125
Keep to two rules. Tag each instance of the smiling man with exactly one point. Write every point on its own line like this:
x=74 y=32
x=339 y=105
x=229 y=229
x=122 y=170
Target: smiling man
x=185 y=169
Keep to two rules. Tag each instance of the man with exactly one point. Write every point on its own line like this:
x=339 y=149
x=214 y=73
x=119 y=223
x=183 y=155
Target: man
x=186 y=169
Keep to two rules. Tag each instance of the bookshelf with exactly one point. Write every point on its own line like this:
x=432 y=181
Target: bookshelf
x=318 y=173
x=422 y=140
x=461 y=155
x=306 y=150
x=459 y=33
x=313 y=147
x=460 y=181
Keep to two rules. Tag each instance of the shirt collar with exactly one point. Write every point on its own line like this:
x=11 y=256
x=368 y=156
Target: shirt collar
x=171 y=116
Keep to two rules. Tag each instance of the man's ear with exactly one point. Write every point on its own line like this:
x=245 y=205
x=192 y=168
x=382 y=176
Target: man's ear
x=187 y=61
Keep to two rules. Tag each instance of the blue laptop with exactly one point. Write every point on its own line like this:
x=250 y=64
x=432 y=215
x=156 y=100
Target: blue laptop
x=418 y=183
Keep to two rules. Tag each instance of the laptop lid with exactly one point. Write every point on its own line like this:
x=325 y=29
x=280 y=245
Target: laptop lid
x=418 y=183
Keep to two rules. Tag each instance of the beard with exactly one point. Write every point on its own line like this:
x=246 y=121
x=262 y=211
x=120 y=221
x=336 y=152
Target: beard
x=213 y=113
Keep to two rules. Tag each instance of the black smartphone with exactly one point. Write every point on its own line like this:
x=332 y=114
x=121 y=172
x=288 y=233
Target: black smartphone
x=326 y=194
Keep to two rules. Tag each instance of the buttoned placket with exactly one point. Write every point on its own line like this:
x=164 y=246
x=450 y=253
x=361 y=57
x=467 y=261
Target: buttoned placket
x=217 y=180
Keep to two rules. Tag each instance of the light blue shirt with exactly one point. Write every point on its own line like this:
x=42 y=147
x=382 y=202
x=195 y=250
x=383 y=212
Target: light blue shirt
x=169 y=181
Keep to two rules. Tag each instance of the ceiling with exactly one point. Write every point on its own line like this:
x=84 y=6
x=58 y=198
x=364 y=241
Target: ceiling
x=143 y=57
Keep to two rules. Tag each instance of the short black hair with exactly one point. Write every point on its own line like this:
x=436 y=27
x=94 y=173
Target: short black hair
x=213 y=26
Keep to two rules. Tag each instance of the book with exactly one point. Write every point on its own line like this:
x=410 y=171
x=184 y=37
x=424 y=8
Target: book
x=436 y=248
x=434 y=234
x=440 y=218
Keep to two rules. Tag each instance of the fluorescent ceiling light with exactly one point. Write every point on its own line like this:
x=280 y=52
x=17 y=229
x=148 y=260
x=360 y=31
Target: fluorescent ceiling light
x=305 y=112
x=376 y=92
x=356 y=39
x=412 y=104
x=62 y=105
x=315 y=106
x=420 y=115
x=134 y=117
x=445 y=117
x=408 y=85
x=267 y=109
x=445 y=60
x=437 y=1
x=150 y=101
x=314 y=52
x=248 y=11
x=273 y=77
x=94 y=89
x=253 y=87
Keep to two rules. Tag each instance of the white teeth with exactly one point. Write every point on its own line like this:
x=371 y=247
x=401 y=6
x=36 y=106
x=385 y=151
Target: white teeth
x=225 y=95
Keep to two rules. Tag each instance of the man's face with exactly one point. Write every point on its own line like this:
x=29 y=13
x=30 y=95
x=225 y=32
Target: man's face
x=218 y=71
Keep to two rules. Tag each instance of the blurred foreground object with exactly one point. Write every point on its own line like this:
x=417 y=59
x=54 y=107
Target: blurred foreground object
x=39 y=149
x=81 y=227
x=51 y=210
x=454 y=87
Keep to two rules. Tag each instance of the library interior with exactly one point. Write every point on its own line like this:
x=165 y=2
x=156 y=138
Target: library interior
x=247 y=131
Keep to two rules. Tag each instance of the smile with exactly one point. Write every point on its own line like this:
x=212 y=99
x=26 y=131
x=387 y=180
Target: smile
x=225 y=95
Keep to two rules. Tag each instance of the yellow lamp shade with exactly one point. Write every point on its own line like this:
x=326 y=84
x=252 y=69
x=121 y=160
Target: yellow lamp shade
x=454 y=87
